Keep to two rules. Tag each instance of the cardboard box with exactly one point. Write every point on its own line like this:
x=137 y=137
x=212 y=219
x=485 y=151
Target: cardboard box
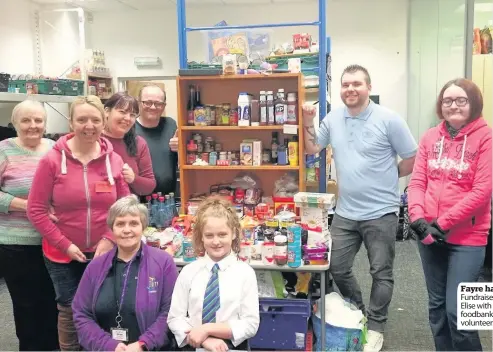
x=246 y=153
x=256 y=151
x=315 y=209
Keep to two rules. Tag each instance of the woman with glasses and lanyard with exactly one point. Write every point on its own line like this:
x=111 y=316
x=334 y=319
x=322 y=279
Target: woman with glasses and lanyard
x=121 y=112
x=450 y=207
x=124 y=296
x=160 y=134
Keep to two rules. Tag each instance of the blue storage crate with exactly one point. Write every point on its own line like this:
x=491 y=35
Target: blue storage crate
x=283 y=324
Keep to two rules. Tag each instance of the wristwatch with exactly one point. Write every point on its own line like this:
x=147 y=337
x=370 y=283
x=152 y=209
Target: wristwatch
x=143 y=346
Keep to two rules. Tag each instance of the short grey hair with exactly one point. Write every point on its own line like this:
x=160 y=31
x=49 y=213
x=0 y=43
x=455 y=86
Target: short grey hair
x=128 y=205
x=25 y=106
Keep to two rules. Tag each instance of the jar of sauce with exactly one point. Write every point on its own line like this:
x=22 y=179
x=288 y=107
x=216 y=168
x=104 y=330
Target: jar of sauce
x=281 y=250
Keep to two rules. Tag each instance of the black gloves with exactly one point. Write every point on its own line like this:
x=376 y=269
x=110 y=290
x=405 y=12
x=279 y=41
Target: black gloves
x=428 y=233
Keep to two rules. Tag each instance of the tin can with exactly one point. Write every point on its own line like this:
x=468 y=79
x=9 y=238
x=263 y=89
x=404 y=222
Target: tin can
x=191 y=158
x=208 y=115
x=268 y=253
x=233 y=117
x=245 y=252
x=212 y=158
x=225 y=113
x=212 y=115
x=199 y=116
x=266 y=156
x=188 y=251
x=219 y=115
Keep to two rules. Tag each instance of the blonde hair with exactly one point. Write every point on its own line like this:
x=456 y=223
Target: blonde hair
x=128 y=205
x=91 y=100
x=216 y=207
x=25 y=106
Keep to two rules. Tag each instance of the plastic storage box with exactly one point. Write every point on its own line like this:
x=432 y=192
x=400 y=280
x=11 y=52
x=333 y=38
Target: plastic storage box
x=72 y=87
x=283 y=324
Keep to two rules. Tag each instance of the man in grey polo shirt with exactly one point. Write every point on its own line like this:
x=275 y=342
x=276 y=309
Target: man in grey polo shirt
x=366 y=139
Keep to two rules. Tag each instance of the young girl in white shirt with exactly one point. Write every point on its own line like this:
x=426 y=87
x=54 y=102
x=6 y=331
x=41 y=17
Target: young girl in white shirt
x=215 y=301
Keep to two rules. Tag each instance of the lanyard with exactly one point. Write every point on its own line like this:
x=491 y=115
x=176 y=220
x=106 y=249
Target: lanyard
x=119 y=303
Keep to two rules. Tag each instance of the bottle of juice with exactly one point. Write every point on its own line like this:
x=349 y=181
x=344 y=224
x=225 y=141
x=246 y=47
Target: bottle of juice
x=293 y=148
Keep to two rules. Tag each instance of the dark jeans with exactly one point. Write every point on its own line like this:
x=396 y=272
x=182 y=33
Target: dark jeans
x=66 y=278
x=33 y=297
x=378 y=236
x=445 y=267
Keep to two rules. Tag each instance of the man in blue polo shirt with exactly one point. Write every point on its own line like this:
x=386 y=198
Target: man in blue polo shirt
x=366 y=139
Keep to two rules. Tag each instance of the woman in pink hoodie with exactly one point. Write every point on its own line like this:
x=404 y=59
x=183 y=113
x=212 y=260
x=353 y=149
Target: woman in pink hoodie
x=81 y=177
x=450 y=207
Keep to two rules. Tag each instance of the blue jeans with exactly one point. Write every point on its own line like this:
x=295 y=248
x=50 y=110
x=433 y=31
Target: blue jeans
x=445 y=267
x=66 y=278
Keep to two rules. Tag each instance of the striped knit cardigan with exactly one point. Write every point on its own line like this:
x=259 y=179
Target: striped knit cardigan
x=17 y=168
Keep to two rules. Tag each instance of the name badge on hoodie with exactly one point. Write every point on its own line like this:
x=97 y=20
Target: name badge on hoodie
x=103 y=187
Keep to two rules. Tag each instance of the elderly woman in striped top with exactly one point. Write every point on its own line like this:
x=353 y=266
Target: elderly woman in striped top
x=21 y=257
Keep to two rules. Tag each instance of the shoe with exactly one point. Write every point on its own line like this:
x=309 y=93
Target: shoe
x=374 y=341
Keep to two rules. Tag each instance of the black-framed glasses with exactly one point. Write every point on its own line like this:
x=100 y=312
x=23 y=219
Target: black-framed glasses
x=150 y=103
x=460 y=102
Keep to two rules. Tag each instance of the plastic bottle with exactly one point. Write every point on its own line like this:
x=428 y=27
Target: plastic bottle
x=172 y=201
x=293 y=148
x=292 y=116
x=282 y=154
x=243 y=109
x=169 y=211
x=281 y=108
x=263 y=108
x=274 y=146
x=271 y=117
x=191 y=106
x=149 y=210
x=161 y=218
x=154 y=209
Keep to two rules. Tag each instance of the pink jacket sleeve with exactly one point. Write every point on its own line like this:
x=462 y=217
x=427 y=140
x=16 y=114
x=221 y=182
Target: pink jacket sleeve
x=39 y=202
x=122 y=190
x=480 y=193
x=417 y=186
x=144 y=182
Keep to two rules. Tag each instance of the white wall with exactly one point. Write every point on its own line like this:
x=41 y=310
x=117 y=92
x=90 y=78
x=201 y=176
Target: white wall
x=15 y=32
x=436 y=56
x=370 y=33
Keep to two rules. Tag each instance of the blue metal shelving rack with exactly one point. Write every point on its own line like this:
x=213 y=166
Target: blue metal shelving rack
x=324 y=44
x=322 y=58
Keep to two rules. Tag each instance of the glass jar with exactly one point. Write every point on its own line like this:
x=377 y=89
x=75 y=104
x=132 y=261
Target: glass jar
x=281 y=250
x=225 y=114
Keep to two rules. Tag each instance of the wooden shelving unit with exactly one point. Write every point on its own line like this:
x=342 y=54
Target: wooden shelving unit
x=225 y=89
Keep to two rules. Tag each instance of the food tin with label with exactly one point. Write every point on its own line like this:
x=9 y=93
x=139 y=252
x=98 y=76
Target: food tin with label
x=245 y=251
x=268 y=253
x=188 y=251
x=212 y=158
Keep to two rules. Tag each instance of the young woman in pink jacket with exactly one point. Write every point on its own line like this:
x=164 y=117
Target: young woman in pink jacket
x=450 y=207
x=81 y=177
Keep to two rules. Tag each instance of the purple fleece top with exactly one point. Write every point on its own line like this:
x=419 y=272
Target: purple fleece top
x=155 y=283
